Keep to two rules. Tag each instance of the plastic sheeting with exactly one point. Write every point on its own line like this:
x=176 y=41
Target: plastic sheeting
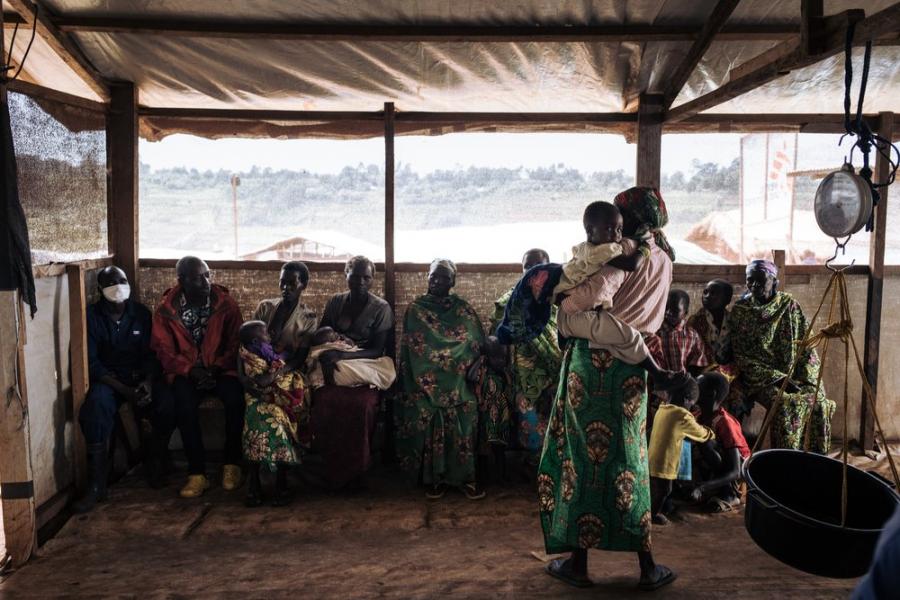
x=265 y=73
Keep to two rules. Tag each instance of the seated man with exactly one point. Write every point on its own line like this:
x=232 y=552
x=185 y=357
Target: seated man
x=195 y=336
x=121 y=368
x=721 y=459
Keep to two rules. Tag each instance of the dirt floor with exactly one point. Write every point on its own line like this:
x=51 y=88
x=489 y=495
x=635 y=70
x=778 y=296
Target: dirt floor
x=385 y=542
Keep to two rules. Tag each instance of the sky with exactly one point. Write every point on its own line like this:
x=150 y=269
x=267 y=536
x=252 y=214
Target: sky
x=424 y=154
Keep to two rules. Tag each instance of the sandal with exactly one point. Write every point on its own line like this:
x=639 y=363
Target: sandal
x=718 y=505
x=436 y=492
x=557 y=568
x=666 y=577
x=472 y=491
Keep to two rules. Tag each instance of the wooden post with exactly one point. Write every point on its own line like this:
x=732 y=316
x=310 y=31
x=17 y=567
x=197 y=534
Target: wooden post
x=18 y=528
x=779 y=257
x=766 y=183
x=78 y=353
x=876 y=287
x=389 y=274
x=16 y=484
x=122 y=188
x=649 y=140
x=741 y=253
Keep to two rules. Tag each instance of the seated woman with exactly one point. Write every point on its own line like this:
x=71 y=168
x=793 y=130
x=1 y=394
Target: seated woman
x=766 y=327
x=438 y=414
x=343 y=418
x=535 y=370
x=268 y=430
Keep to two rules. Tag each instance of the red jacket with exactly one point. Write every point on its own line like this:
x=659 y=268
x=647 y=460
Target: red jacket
x=175 y=347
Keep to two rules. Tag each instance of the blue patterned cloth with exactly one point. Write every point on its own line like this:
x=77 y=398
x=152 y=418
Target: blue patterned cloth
x=685 y=467
x=528 y=310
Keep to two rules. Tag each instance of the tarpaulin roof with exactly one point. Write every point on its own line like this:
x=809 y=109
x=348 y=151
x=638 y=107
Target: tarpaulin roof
x=193 y=71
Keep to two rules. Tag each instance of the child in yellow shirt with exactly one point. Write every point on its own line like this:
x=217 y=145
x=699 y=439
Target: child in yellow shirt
x=672 y=424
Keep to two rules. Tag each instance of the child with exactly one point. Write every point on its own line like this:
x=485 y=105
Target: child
x=493 y=388
x=674 y=422
x=280 y=386
x=721 y=459
x=682 y=348
x=584 y=297
x=711 y=321
x=376 y=372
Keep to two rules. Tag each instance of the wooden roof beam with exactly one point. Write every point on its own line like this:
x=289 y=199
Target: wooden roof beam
x=825 y=38
x=11 y=19
x=713 y=26
x=64 y=46
x=420 y=33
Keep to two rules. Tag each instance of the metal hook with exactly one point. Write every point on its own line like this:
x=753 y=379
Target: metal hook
x=843 y=249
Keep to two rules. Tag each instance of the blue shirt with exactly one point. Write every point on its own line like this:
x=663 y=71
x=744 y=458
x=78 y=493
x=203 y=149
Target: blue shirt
x=121 y=349
x=883 y=579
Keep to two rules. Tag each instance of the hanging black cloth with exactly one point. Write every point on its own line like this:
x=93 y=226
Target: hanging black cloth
x=15 y=251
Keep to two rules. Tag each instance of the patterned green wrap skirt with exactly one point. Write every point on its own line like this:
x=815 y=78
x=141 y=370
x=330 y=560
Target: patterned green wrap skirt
x=593 y=479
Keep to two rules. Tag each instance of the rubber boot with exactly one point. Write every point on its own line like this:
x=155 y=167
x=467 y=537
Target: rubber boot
x=97 y=471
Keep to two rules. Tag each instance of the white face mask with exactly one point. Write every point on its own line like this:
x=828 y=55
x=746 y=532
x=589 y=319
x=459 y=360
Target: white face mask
x=117 y=293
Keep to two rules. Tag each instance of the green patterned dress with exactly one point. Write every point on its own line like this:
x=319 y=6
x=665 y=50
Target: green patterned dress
x=493 y=391
x=438 y=414
x=593 y=479
x=535 y=375
x=764 y=338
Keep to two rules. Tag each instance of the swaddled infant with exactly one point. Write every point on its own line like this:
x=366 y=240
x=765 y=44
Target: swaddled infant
x=376 y=372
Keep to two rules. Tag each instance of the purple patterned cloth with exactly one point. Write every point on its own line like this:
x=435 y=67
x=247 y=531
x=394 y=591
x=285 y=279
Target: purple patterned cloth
x=265 y=351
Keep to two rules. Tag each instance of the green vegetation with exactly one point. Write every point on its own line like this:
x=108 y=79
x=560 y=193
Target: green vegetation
x=191 y=209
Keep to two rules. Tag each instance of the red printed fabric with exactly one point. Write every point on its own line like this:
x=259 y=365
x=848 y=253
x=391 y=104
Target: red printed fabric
x=728 y=433
x=681 y=347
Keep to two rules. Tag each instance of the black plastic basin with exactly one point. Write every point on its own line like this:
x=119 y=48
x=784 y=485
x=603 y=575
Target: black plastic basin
x=793 y=511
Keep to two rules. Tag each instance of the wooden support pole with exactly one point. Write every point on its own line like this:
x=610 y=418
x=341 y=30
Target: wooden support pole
x=78 y=354
x=210 y=28
x=16 y=481
x=122 y=187
x=823 y=37
x=811 y=11
x=649 y=140
x=389 y=273
x=711 y=28
x=18 y=527
x=779 y=257
x=875 y=288
x=63 y=45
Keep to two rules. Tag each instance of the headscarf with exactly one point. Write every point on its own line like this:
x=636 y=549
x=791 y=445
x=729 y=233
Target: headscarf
x=442 y=262
x=766 y=266
x=645 y=206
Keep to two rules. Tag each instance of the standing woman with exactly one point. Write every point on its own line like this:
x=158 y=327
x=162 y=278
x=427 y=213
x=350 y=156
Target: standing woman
x=269 y=430
x=343 y=419
x=593 y=479
x=437 y=419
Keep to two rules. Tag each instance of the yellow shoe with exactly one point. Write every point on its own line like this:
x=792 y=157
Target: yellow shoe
x=231 y=478
x=195 y=486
